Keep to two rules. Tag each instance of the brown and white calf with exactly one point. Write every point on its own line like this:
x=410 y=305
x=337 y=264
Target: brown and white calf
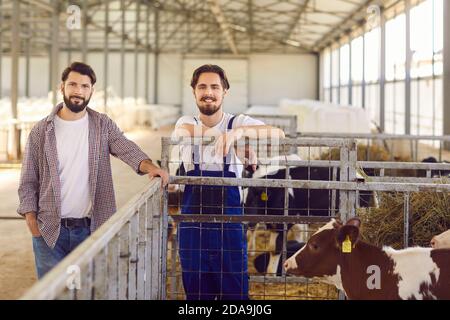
x=441 y=241
x=363 y=271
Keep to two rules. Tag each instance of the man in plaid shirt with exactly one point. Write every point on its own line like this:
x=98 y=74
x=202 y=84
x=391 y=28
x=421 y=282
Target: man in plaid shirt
x=66 y=188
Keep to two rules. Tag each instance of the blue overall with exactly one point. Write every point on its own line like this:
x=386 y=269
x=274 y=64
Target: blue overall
x=213 y=255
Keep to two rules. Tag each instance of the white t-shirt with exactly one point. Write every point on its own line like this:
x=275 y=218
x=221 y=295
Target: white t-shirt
x=72 y=142
x=208 y=161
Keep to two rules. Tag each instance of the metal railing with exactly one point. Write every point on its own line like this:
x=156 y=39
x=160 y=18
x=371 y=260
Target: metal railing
x=346 y=183
x=410 y=145
x=127 y=257
x=347 y=166
x=287 y=123
x=392 y=142
x=123 y=259
x=7 y=135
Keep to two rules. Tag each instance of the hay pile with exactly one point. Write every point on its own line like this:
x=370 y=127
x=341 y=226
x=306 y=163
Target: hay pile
x=374 y=152
x=429 y=216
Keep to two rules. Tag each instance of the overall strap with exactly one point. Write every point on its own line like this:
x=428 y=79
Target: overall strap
x=196 y=153
x=227 y=158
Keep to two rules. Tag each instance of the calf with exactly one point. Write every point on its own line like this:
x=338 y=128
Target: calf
x=364 y=271
x=267 y=201
x=314 y=202
x=434 y=173
x=441 y=241
x=307 y=202
x=270 y=262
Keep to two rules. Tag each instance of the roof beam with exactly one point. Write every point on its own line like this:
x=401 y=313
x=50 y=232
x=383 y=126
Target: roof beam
x=342 y=26
x=214 y=6
x=40 y=4
x=296 y=21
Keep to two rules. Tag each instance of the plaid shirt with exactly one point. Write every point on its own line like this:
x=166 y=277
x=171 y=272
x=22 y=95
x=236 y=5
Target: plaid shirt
x=40 y=189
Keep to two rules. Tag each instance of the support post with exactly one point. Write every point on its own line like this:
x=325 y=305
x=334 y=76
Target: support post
x=14 y=141
x=106 y=58
x=446 y=79
x=408 y=69
x=382 y=70
x=54 y=62
x=156 y=73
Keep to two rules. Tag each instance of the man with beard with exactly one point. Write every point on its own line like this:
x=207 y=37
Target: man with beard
x=66 y=188
x=213 y=256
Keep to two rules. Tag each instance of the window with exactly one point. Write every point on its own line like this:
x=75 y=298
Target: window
x=372 y=73
x=395 y=75
x=326 y=74
x=395 y=48
x=426 y=68
x=357 y=71
x=344 y=68
x=372 y=55
x=359 y=61
x=335 y=75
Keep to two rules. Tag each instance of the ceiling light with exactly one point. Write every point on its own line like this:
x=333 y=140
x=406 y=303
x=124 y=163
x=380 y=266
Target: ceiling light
x=292 y=43
x=238 y=28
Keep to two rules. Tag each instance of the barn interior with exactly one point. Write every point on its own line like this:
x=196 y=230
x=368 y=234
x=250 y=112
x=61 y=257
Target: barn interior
x=361 y=89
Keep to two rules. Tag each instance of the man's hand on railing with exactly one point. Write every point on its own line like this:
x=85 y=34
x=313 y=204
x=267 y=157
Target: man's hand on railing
x=157 y=172
x=31 y=219
x=148 y=167
x=248 y=157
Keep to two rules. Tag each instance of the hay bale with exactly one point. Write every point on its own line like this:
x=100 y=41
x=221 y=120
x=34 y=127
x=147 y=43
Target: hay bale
x=374 y=152
x=429 y=215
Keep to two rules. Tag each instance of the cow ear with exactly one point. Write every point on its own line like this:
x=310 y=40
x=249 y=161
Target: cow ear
x=347 y=233
x=354 y=222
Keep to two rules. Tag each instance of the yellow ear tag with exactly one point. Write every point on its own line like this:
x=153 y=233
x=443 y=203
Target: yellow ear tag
x=347 y=245
x=264 y=196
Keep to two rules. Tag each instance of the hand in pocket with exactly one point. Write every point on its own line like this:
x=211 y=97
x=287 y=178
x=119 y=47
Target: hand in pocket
x=32 y=224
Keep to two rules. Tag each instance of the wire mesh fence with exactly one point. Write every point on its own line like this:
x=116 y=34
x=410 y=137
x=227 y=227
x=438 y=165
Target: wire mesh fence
x=283 y=203
x=263 y=202
x=136 y=254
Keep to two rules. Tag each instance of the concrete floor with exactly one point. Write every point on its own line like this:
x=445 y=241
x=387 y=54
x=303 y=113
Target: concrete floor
x=17 y=271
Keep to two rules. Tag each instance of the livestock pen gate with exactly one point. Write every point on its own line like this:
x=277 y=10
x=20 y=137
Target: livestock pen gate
x=7 y=135
x=402 y=148
x=288 y=123
x=343 y=185
x=281 y=285
x=123 y=259
x=133 y=256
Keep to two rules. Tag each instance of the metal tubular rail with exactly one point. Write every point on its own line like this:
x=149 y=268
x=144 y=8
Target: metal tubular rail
x=120 y=260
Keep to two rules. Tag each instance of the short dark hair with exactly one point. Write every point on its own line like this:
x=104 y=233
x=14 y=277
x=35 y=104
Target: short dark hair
x=81 y=68
x=213 y=69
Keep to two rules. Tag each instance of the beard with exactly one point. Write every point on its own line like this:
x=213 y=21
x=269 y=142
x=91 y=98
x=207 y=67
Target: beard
x=208 y=109
x=76 y=107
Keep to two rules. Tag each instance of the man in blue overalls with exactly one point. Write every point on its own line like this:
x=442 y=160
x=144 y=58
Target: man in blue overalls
x=214 y=255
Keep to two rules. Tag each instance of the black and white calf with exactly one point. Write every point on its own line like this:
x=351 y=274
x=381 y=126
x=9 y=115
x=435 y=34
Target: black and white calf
x=306 y=202
x=435 y=173
x=270 y=263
